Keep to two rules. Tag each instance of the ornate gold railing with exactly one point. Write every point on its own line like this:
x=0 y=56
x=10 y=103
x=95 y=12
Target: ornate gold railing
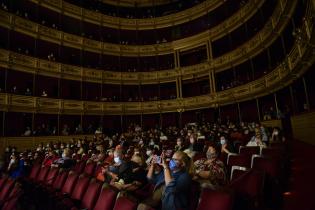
x=284 y=74
x=35 y=30
x=130 y=24
x=263 y=39
x=140 y=3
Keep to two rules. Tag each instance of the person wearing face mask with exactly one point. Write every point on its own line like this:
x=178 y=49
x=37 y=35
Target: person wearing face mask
x=155 y=176
x=179 y=144
x=224 y=145
x=50 y=158
x=210 y=171
x=65 y=161
x=118 y=167
x=276 y=136
x=150 y=154
x=256 y=140
x=177 y=181
x=133 y=178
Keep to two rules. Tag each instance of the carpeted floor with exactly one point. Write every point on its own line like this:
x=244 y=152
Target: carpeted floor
x=301 y=189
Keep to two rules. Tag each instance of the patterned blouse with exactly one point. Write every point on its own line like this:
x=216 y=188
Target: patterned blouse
x=217 y=170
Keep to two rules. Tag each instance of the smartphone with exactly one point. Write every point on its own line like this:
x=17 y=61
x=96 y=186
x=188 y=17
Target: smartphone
x=158 y=159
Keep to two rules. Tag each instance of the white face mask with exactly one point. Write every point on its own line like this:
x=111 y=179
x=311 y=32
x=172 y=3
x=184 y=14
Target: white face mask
x=117 y=159
x=63 y=155
x=222 y=141
x=12 y=161
x=149 y=152
x=276 y=132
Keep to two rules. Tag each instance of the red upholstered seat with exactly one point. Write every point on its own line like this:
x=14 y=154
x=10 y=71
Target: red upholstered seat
x=248 y=189
x=5 y=190
x=2 y=181
x=272 y=152
x=79 y=167
x=106 y=200
x=239 y=160
x=51 y=176
x=34 y=172
x=80 y=187
x=125 y=203
x=90 y=196
x=244 y=150
x=268 y=165
x=11 y=202
x=215 y=200
x=89 y=168
x=42 y=174
x=60 y=180
x=237 y=171
x=69 y=184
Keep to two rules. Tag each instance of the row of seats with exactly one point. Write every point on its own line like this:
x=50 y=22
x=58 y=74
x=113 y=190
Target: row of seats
x=10 y=192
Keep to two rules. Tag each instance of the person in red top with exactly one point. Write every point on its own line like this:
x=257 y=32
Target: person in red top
x=50 y=158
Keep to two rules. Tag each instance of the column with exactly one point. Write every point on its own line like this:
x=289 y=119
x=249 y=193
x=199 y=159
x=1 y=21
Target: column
x=179 y=92
x=211 y=71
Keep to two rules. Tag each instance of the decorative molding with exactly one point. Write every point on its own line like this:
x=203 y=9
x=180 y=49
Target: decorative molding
x=280 y=77
x=97 y=18
x=258 y=43
x=35 y=30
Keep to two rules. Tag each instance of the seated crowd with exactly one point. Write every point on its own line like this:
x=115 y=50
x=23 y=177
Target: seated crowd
x=158 y=168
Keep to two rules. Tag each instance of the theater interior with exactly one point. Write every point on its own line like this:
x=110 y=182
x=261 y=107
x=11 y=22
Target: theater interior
x=157 y=104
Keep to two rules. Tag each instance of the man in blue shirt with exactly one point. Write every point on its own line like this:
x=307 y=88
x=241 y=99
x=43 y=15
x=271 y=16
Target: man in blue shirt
x=177 y=182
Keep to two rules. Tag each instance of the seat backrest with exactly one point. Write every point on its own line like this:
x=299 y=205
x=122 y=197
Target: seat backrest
x=249 y=184
x=237 y=171
x=89 y=168
x=106 y=200
x=42 y=174
x=70 y=183
x=79 y=167
x=34 y=171
x=2 y=181
x=215 y=200
x=80 y=188
x=125 y=203
x=5 y=190
x=12 y=200
x=239 y=160
x=91 y=194
x=268 y=165
x=249 y=150
x=60 y=180
x=51 y=176
x=271 y=152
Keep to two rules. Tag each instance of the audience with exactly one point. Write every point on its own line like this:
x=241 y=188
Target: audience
x=137 y=158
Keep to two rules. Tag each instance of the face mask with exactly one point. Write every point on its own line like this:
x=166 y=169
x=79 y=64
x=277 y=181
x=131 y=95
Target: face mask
x=156 y=172
x=137 y=153
x=140 y=142
x=172 y=165
x=62 y=147
x=211 y=155
x=149 y=152
x=276 y=132
x=117 y=160
x=63 y=155
x=38 y=149
x=222 y=141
